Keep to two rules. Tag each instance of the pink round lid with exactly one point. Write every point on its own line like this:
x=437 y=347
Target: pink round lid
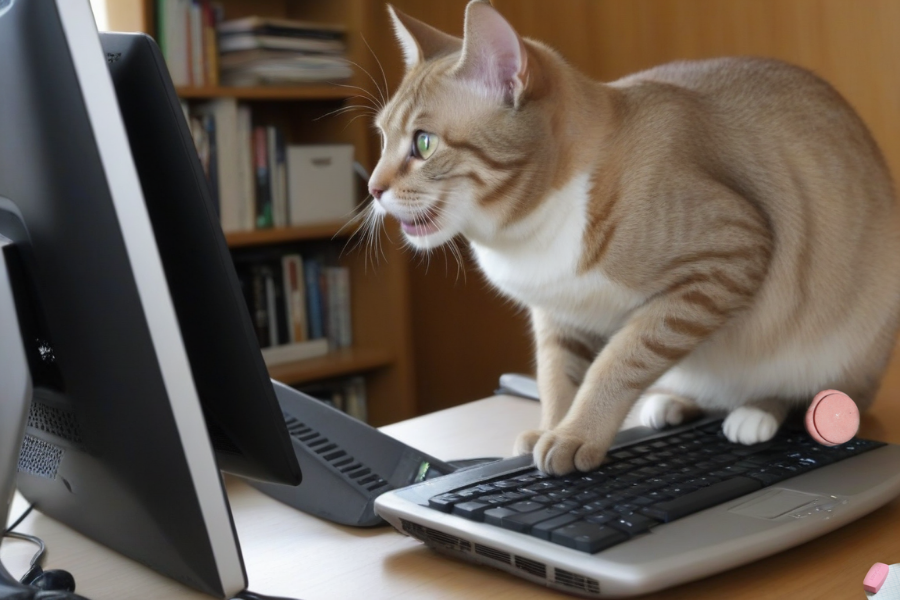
x=832 y=418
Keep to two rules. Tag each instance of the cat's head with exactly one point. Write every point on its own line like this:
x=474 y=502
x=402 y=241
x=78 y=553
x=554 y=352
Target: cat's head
x=462 y=136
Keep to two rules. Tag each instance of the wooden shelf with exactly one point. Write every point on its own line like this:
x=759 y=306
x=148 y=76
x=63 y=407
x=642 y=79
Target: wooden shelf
x=280 y=235
x=294 y=92
x=335 y=364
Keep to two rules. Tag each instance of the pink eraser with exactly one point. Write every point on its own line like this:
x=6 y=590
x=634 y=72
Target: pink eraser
x=875 y=578
x=832 y=418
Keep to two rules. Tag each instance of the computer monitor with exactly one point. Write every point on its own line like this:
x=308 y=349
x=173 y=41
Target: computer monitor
x=116 y=444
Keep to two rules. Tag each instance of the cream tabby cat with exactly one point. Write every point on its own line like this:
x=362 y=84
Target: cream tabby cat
x=718 y=235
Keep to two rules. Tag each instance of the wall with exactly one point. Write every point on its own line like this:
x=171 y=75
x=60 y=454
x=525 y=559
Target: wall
x=465 y=336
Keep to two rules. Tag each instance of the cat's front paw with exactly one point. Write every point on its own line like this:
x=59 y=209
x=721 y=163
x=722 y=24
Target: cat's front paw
x=660 y=409
x=559 y=453
x=526 y=441
x=749 y=425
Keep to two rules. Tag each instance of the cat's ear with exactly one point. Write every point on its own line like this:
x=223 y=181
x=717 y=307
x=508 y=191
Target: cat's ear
x=419 y=41
x=493 y=55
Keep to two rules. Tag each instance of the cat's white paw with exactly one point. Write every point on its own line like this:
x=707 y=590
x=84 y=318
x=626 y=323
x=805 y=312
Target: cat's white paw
x=659 y=410
x=558 y=453
x=749 y=425
x=526 y=441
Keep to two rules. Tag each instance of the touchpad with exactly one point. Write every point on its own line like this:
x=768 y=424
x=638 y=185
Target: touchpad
x=777 y=503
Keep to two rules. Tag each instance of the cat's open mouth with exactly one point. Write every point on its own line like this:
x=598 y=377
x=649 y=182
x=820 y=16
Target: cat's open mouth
x=423 y=224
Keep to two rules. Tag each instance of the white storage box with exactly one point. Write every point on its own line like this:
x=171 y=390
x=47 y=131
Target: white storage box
x=320 y=183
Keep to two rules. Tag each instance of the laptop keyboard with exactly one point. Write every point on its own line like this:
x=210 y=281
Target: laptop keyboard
x=641 y=486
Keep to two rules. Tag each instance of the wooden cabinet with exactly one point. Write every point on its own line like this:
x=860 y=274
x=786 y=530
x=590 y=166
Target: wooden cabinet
x=379 y=284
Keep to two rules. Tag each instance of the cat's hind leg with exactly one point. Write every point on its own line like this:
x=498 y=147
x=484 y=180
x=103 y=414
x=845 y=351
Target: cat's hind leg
x=755 y=422
x=659 y=408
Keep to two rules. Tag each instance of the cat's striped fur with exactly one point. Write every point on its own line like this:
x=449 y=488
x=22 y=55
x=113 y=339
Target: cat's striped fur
x=718 y=235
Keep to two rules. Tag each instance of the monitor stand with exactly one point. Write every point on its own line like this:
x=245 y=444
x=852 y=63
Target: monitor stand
x=15 y=401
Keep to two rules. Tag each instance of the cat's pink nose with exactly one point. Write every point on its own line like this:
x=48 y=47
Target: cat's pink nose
x=376 y=192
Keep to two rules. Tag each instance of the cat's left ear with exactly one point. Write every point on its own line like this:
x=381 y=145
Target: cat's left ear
x=493 y=54
x=420 y=41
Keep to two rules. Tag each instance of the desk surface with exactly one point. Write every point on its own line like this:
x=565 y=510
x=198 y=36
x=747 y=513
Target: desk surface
x=292 y=554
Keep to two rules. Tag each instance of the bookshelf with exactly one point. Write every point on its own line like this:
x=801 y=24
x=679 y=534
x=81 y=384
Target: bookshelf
x=380 y=306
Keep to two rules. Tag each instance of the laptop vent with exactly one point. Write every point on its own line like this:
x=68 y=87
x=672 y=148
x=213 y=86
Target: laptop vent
x=427 y=534
x=352 y=469
x=54 y=421
x=578 y=582
x=40 y=458
x=493 y=553
x=533 y=567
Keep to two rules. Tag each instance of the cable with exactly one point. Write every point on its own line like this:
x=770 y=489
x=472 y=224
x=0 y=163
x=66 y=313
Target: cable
x=19 y=520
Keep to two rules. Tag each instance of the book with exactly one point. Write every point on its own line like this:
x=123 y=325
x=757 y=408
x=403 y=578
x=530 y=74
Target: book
x=286 y=353
x=258 y=305
x=224 y=112
x=295 y=296
x=278 y=165
x=314 y=305
x=344 y=333
x=355 y=403
x=271 y=306
x=246 y=177
x=261 y=171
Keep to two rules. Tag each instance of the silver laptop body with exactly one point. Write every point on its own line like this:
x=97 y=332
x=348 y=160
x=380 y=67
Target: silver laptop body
x=736 y=532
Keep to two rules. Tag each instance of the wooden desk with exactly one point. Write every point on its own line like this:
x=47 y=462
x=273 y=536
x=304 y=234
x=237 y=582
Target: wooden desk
x=291 y=554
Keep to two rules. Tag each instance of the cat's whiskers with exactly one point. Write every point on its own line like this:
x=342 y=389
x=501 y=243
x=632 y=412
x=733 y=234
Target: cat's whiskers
x=348 y=108
x=381 y=92
x=387 y=89
x=377 y=103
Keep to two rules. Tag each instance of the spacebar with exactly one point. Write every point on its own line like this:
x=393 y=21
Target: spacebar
x=702 y=498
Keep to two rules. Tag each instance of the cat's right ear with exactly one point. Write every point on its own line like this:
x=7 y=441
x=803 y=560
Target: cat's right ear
x=419 y=41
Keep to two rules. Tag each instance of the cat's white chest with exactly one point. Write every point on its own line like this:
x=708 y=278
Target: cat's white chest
x=540 y=268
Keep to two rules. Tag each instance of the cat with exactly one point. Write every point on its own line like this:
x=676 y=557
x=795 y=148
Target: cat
x=712 y=236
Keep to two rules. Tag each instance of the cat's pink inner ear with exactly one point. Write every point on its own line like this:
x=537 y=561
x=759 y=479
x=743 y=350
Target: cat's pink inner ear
x=420 y=41
x=493 y=55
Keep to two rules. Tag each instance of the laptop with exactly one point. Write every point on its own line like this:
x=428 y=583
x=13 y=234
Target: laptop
x=665 y=508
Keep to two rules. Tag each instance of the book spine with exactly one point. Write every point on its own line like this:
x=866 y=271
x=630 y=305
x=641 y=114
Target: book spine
x=196 y=44
x=356 y=402
x=280 y=178
x=210 y=46
x=271 y=306
x=224 y=112
x=344 y=324
x=259 y=307
x=295 y=296
x=274 y=181
x=263 y=189
x=313 y=299
x=246 y=179
x=209 y=124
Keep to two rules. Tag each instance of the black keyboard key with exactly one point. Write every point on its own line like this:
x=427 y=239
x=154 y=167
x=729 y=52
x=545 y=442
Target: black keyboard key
x=766 y=478
x=522 y=522
x=633 y=524
x=587 y=537
x=495 y=515
x=703 y=498
x=444 y=502
x=526 y=506
x=545 y=528
x=472 y=509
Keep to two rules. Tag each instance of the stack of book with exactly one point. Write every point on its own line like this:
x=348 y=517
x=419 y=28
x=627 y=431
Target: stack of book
x=261 y=51
x=186 y=34
x=300 y=307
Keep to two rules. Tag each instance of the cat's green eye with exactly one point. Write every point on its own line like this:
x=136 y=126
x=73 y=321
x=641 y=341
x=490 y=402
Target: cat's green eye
x=424 y=144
